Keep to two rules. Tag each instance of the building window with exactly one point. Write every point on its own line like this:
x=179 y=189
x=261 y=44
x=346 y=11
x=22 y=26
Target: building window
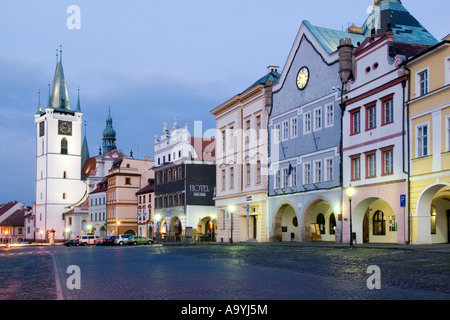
x=224 y=138
x=321 y=223
x=355 y=119
x=306 y=173
x=231 y=177
x=317 y=171
x=64 y=147
x=447 y=71
x=371 y=117
x=128 y=181
x=277 y=179
x=379 y=225
x=371 y=164
x=223 y=179
x=285 y=130
x=285 y=177
x=422 y=140
x=328 y=169
x=247 y=131
x=64 y=195
x=388 y=110
x=317 y=119
x=447 y=121
x=307 y=122
x=294 y=128
x=293 y=176
x=247 y=170
x=329 y=115
x=388 y=160
x=231 y=131
x=423 y=82
x=332 y=224
x=277 y=133
x=258 y=126
x=258 y=172
x=65 y=175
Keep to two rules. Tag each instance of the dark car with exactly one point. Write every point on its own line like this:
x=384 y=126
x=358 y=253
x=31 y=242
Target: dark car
x=107 y=241
x=70 y=243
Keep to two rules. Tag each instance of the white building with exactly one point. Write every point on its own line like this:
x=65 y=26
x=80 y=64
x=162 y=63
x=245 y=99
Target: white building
x=59 y=187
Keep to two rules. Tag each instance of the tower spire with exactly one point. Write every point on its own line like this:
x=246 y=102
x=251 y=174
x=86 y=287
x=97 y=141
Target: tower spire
x=78 y=102
x=39 y=110
x=59 y=96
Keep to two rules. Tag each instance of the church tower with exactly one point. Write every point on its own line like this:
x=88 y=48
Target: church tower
x=59 y=186
x=109 y=135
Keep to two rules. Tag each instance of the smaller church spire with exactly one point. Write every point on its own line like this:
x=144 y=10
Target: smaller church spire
x=78 y=102
x=39 y=110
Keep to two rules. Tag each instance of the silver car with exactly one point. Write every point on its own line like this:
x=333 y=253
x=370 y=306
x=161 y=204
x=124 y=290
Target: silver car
x=123 y=239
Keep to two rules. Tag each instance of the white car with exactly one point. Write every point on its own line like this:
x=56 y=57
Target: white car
x=88 y=240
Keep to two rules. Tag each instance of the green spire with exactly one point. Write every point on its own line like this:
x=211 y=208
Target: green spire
x=78 y=102
x=84 y=150
x=59 y=96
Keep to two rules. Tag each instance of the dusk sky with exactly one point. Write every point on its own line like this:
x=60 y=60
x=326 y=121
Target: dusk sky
x=149 y=61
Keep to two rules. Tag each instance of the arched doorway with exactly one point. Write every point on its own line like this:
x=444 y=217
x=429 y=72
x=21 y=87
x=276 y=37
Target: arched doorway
x=130 y=231
x=320 y=214
x=175 y=228
x=286 y=224
x=374 y=221
x=433 y=215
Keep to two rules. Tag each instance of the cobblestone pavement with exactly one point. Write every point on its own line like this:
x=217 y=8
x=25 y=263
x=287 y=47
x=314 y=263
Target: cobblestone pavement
x=224 y=272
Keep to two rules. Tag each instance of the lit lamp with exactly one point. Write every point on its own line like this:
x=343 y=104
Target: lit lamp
x=350 y=194
x=41 y=233
x=231 y=209
x=117 y=227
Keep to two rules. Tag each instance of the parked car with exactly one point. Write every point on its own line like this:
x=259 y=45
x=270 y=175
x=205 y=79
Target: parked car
x=70 y=243
x=106 y=241
x=135 y=240
x=122 y=239
x=88 y=240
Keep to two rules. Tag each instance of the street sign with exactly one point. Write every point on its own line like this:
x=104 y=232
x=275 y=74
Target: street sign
x=403 y=200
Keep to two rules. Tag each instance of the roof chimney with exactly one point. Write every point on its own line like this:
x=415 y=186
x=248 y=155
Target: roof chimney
x=272 y=69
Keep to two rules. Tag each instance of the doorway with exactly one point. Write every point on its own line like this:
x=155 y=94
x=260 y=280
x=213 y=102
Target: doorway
x=366 y=227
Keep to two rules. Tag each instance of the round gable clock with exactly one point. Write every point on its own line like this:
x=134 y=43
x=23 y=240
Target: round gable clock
x=302 y=78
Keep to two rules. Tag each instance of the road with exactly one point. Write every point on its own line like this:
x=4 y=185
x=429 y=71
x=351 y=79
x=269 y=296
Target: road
x=222 y=272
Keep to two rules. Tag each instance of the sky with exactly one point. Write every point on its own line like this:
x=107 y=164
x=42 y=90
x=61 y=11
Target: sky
x=149 y=62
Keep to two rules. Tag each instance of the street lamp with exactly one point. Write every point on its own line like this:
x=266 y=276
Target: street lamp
x=231 y=209
x=350 y=194
x=41 y=233
x=117 y=227
x=158 y=226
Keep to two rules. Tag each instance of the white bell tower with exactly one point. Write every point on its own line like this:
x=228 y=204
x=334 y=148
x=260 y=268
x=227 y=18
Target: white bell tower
x=59 y=186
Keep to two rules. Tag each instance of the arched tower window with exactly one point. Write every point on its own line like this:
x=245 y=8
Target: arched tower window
x=64 y=175
x=64 y=146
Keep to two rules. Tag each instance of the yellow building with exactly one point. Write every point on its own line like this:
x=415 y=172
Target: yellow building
x=429 y=127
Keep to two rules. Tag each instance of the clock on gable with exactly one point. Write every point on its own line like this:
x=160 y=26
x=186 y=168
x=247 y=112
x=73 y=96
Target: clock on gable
x=65 y=128
x=302 y=78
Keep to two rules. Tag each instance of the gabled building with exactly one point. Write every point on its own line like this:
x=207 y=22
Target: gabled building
x=375 y=135
x=126 y=177
x=304 y=139
x=241 y=163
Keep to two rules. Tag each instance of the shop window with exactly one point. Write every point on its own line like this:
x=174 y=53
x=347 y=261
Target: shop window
x=379 y=224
